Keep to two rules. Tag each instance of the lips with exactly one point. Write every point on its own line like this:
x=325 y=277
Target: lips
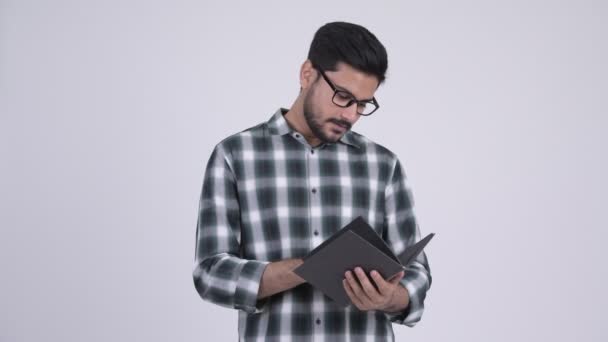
x=342 y=128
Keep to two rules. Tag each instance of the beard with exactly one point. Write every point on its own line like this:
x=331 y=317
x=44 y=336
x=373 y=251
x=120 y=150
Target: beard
x=316 y=127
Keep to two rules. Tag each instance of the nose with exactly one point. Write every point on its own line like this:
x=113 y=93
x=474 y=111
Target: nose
x=349 y=114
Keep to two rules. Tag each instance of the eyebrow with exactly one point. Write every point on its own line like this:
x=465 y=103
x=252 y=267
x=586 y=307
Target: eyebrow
x=350 y=93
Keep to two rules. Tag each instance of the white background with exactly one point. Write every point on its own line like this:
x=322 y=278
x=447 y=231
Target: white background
x=110 y=109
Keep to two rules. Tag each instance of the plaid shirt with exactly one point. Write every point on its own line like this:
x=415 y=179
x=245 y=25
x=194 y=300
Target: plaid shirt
x=268 y=195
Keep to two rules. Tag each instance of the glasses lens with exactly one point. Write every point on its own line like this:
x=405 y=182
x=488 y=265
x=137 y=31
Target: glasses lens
x=342 y=98
x=366 y=109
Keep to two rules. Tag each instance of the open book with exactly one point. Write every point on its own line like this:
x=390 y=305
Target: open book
x=356 y=244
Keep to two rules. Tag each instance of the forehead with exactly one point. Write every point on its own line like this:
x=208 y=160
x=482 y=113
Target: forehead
x=356 y=82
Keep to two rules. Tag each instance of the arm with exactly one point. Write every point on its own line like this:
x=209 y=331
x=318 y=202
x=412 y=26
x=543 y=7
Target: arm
x=220 y=275
x=402 y=230
x=279 y=277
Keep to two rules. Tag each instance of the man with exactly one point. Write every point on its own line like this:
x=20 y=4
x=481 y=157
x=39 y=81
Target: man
x=273 y=192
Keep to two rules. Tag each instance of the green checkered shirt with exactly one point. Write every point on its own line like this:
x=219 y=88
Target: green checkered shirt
x=268 y=195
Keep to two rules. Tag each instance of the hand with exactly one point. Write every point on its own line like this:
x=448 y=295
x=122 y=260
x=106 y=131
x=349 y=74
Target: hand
x=365 y=296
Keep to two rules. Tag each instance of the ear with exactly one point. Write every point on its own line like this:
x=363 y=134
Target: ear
x=308 y=74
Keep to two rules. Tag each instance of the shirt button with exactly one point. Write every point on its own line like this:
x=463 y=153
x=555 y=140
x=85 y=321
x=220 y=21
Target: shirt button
x=318 y=321
x=316 y=232
x=297 y=135
x=314 y=191
x=312 y=151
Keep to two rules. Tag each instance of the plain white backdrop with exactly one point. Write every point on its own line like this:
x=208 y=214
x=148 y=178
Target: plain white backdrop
x=109 y=111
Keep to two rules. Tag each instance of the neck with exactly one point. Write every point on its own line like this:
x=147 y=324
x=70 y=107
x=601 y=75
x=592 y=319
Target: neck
x=295 y=119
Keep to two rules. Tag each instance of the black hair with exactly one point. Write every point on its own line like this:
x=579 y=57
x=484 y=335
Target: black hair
x=349 y=43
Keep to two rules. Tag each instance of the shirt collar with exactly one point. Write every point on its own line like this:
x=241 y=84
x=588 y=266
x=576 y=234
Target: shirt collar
x=277 y=125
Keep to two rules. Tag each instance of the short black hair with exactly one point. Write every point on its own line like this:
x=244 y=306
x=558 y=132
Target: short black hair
x=349 y=43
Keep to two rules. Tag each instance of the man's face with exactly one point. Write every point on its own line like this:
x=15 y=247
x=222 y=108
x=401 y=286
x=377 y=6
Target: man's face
x=327 y=121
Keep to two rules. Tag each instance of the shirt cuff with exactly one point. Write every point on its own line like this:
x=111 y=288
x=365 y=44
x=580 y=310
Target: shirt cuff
x=248 y=285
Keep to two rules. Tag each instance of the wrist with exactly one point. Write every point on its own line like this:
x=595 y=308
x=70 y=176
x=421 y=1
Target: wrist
x=399 y=301
x=293 y=264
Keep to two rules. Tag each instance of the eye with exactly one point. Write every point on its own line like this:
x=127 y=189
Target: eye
x=343 y=96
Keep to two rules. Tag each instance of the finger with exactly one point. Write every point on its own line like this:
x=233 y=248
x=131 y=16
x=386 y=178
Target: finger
x=386 y=287
x=367 y=286
x=383 y=286
x=397 y=278
x=351 y=295
x=360 y=300
x=357 y=290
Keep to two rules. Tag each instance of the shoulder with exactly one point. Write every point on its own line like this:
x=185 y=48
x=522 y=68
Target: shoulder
x=235 y=141
x=373 y=148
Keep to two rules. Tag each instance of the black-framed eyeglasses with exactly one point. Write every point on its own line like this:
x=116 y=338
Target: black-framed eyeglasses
x=345 y=99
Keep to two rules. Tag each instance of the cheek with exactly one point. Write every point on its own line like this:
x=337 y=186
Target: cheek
x=322 y=107
x=320 y=111
x=323 y=104
x=327 y=116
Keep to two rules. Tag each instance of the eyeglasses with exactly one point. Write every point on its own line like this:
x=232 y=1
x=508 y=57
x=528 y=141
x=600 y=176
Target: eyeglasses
x=344 y=99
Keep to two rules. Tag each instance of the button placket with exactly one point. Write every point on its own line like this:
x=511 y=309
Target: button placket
x=315 y=198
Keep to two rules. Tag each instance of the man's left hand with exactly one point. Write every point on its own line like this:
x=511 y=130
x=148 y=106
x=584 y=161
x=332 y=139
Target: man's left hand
x=365 y=296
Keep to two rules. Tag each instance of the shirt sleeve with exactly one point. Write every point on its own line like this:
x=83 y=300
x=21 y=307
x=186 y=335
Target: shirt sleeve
x=402 y=231
x=220 y=275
